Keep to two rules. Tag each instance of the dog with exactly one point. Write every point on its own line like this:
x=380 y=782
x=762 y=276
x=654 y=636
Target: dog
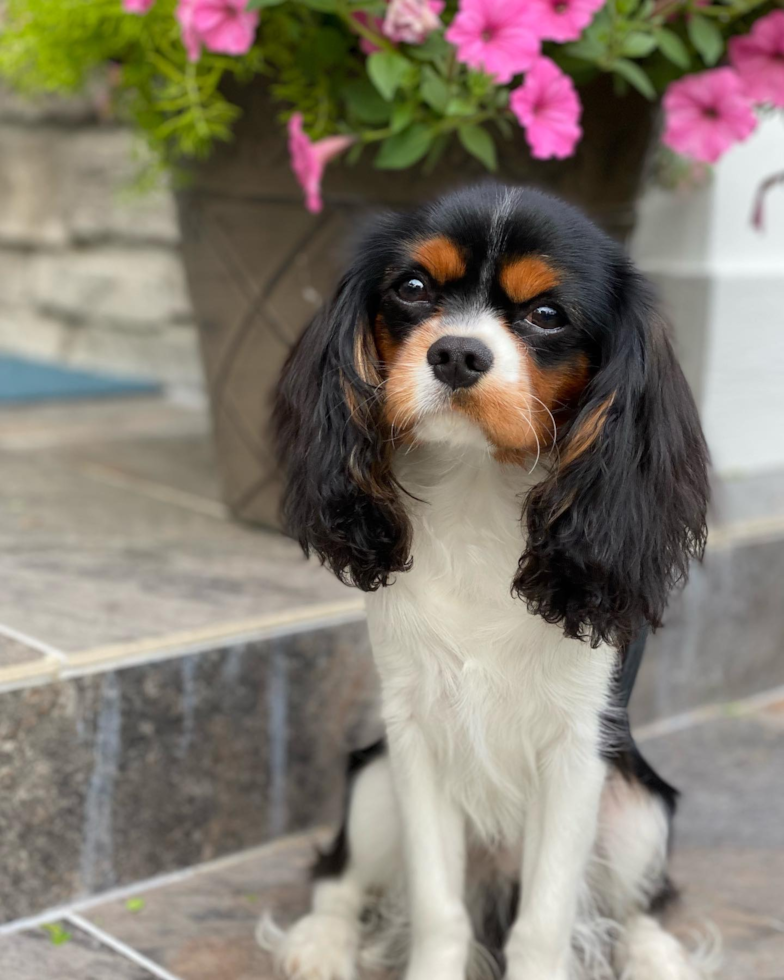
x=487 y=431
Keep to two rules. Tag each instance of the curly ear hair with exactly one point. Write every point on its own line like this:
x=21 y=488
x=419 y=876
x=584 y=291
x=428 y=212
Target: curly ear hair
x=612 y=528
x=340 y=498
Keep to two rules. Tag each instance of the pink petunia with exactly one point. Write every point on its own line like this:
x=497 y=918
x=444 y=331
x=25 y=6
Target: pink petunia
x=706 y=114
x=563 y=20
x=758 y=58
x=496 y=36
x=375 y=23
x=548 y=108
x=222 y=26
x=308 y=159
x=411 y=21
x=137 y=6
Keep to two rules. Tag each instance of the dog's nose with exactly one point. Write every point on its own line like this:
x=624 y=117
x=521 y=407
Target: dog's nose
x=459 y=361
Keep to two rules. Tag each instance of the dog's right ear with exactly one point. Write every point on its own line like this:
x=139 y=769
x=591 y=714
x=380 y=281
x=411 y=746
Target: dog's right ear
x=340 y=498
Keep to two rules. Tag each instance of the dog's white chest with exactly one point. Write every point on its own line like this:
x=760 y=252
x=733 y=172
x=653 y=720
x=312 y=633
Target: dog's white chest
x=491 y=686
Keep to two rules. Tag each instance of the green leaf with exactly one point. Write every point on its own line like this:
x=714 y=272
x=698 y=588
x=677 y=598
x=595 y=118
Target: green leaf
x=57 y=934
x=586 y=49
x=386 y=70
x=258 y=4
x=402 y=117
x=404 y=149
x=479 y=143
x=135 y=904
x=635 y=76
x=433 y=49
x=434 y=90
x=706 y=38
x=459 y=107
x=323 y=6
x=365 y=102
x=638 y=45
x=673 y=48
x=435 y=153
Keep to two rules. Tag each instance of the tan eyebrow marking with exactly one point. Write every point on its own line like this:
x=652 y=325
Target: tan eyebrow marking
x=522 y=279
x=442 y=258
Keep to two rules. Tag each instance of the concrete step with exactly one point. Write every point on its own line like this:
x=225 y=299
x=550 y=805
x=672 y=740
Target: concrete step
x=175 y=687
x=199 y=924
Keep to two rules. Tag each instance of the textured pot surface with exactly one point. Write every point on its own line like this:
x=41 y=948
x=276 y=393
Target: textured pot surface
x=259 y=265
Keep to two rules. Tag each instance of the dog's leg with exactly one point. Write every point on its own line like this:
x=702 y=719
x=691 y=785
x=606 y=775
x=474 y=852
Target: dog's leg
x=559 y=834
x=366 y=855
x=434 y=856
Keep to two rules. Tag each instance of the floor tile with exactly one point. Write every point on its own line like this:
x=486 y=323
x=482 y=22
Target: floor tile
x=85 y=563
x=728 y=860
x=33 y=955
x=203 y=928
x=12 y=652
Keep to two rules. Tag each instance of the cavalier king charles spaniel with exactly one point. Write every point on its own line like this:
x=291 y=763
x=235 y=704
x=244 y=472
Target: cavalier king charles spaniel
x=486 y=430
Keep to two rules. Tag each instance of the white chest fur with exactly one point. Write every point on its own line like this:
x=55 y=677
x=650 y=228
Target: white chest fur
x=491 y=686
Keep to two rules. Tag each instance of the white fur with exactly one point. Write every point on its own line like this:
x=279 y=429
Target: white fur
x=492 y=720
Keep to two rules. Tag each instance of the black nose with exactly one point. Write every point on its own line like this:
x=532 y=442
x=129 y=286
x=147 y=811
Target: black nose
x=459 y=361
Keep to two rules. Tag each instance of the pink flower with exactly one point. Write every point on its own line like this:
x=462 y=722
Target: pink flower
x=495 y=35
x=548 y=108
x=137 y=6
x=309 y=159
x=375 y=24
x=411 y=21
x=563 y=20
x=222 y=26
x=758 y=58
x=705 y=114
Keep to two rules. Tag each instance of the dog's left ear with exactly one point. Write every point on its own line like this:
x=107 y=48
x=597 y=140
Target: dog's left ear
x=612 y=528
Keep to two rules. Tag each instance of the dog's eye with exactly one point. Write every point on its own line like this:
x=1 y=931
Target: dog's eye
x=547 y=317
x=413 y=290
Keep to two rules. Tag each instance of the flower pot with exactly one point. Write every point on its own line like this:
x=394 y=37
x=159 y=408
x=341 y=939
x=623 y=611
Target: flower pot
x=259 y=265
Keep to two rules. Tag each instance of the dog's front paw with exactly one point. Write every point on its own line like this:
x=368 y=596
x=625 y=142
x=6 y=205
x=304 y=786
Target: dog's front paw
x=318 y=947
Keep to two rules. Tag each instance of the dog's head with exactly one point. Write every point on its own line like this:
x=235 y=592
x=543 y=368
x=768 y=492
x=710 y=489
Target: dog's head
x=501 y=316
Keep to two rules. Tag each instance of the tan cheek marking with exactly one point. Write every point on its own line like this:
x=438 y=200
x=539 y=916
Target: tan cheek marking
x=588 y=432
x=442 y=258
x=401 y=390
x=388 y=349
x=514 y=422
x=522 y=279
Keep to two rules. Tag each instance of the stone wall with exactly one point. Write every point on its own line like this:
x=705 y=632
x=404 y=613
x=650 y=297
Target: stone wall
x=90 y=272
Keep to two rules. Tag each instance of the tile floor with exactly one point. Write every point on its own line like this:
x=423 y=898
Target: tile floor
x=729 y=860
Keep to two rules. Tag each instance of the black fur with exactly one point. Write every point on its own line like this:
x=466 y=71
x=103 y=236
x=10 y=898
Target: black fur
x=611 y=533
x=332 y=862
x=612 y=530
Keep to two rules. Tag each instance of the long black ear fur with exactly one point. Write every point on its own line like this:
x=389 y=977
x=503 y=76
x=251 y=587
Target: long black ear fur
x=612 y=529
x=340 y=499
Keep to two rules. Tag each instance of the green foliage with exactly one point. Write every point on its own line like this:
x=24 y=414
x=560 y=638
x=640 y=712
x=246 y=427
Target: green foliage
x=58 y=934
x=410 y=100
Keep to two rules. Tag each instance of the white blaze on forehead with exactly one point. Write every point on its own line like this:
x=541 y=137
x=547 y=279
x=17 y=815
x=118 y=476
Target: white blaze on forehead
x=488 y=327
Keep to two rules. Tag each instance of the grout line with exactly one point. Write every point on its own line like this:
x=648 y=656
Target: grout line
x=30 y=641
x=120 y=947
x=709 y=712
x=315 y=616
x=162 y=881
x=173 y=646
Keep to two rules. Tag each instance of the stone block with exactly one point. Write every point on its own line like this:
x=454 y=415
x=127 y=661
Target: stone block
x=133 y=288
x=25 y=332
x=31 y=186
x=169 y=354
x=100 y=165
